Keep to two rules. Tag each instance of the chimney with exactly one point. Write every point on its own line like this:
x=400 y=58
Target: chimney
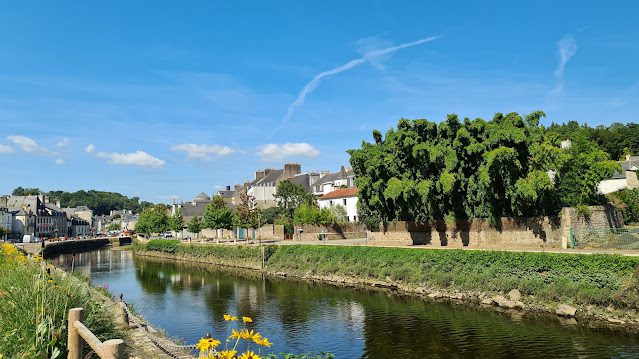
x=292 y=169
x=259 y=174
x=57 y=203
x=228 y=188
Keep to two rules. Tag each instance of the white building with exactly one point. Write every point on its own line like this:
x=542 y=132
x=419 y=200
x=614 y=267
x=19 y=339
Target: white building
x=331 y=181
x=626 y=178
x=6 y=220
x=346 y=197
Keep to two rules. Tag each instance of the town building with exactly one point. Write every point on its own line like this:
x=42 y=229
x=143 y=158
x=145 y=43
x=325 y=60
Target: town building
x=346 y=197
x=36 y=216
x=78 y=227
x=626 y=178
x=329 y=182
x=82 y=212
x=264 y=186
x=227 y=194
x=193 y=208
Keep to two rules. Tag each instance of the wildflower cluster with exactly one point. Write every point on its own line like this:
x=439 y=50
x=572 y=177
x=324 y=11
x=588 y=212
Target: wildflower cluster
x=208 y=346
x=10 y=254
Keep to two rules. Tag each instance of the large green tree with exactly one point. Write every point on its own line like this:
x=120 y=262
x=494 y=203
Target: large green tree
x=217 y=215
x=195 y=226
x=506 y=167
x=246 y=214
x=153 y=220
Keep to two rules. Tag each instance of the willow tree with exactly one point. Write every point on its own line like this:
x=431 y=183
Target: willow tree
x=422 y=171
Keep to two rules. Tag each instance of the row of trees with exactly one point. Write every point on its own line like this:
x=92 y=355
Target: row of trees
x=510 y=166
x=618 y=139
x=100 y=202
x=295 y=206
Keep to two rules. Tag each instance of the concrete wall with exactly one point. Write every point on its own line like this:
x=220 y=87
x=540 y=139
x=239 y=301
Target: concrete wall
x=612 y=185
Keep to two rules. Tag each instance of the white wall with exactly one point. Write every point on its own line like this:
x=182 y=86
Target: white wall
x=612 y=185
x=351 y=206
x=262 y=194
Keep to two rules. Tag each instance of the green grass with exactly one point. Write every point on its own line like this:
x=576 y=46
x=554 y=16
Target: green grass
x=599 y=279
x=34 y=306
x=247 y=256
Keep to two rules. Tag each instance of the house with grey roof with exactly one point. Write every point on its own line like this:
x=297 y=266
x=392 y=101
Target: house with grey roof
x=329 y=182
x=264 y=186
x=226 y=194
x=626 y=178
x=192 y=208
x=37 y=216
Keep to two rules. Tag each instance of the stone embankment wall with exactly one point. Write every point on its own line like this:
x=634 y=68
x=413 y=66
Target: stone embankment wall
x=266 y=232
x=72 y=246
x=314 y=233
x=550 y=232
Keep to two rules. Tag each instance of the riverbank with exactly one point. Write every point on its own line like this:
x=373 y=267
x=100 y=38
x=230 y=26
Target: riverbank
x=34 y=301
x=596 y=290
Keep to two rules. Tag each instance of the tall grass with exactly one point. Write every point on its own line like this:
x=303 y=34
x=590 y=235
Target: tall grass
x=34 y=303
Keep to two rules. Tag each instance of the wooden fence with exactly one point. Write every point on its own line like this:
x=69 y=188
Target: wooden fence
x=78 y=333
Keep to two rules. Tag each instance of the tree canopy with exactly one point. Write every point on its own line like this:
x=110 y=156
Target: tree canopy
x=153 y=220
x=217 y=215
x=510 y=166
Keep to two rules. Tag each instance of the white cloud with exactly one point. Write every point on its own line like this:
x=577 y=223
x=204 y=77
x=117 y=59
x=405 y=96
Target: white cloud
x=28 y=144
x=4 y=149
x=371 y=56
x=202 y=152
x=64 y=142
x=139 y=158
x=566 y=48
x=59 y=162
x=90 y=148
x=274 y=151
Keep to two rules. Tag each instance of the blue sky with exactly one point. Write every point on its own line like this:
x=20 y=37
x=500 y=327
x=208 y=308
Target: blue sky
x=160 y=98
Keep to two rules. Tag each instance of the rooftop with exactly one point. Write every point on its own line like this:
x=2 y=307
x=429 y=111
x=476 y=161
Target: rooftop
x=341 y=193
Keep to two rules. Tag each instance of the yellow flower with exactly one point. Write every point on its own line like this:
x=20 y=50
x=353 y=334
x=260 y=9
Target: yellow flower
x=249 y=334
x=226 y=354
x=206 y=344
x=51 y=281
x=263 y=342
x=249 y=355
x=235 y=334
x=37 y=258
x=229 y=317
x=247 y=320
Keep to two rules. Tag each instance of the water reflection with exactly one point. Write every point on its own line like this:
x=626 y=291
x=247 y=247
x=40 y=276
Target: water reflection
x=189 y=300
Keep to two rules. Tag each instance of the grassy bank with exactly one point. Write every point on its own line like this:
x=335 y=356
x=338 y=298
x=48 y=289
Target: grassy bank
x=598 y=280
x=34 y=302
x=236 y=256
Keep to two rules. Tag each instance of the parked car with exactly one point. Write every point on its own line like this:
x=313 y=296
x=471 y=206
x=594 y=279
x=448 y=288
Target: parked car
x=166 y=235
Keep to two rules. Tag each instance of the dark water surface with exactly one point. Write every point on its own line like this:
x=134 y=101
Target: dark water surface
x=189 y=300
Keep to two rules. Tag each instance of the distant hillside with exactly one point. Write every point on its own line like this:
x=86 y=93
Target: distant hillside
x=99 y=201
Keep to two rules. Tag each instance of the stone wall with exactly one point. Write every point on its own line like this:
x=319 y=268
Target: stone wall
x=512 y=232
x=314 y=233
x=552 y=232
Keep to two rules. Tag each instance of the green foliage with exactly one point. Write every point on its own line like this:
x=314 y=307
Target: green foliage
x=627 y=201
x=242 y=256
x=583 y=211
x=290 y=196
x=246 y=215
x=271 y=214
x=162 y=245
x=25 y=191
x=195 y=225
x=113 y=227
x=153 y=220
x=424 y=171
x=217 y=215
x=551 y=277
x=33 y=311
x=176 y=222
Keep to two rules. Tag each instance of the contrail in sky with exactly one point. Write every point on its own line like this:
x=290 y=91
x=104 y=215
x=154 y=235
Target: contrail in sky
x=312 y=85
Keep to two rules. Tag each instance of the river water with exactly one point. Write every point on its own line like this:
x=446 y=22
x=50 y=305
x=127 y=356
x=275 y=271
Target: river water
x=189 y=300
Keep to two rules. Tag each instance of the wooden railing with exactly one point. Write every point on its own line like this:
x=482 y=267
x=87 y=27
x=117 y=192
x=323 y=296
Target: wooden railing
x=78 y=333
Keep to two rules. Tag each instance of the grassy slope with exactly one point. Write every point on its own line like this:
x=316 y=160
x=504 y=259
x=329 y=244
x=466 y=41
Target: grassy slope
x=34 y=306
x=599 y=280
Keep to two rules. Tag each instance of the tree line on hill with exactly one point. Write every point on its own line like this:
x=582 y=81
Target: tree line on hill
x=99 y=201
x=510 y=166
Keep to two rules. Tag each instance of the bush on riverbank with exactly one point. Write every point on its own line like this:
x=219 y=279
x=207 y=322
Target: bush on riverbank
x=599 y=279
x=34 y=302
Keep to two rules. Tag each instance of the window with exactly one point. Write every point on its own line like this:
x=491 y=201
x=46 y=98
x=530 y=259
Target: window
x=345 y=201
x=354 y=218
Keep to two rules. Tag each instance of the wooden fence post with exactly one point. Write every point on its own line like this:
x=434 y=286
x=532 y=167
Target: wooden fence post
x=113 y=349
x=74 y=343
